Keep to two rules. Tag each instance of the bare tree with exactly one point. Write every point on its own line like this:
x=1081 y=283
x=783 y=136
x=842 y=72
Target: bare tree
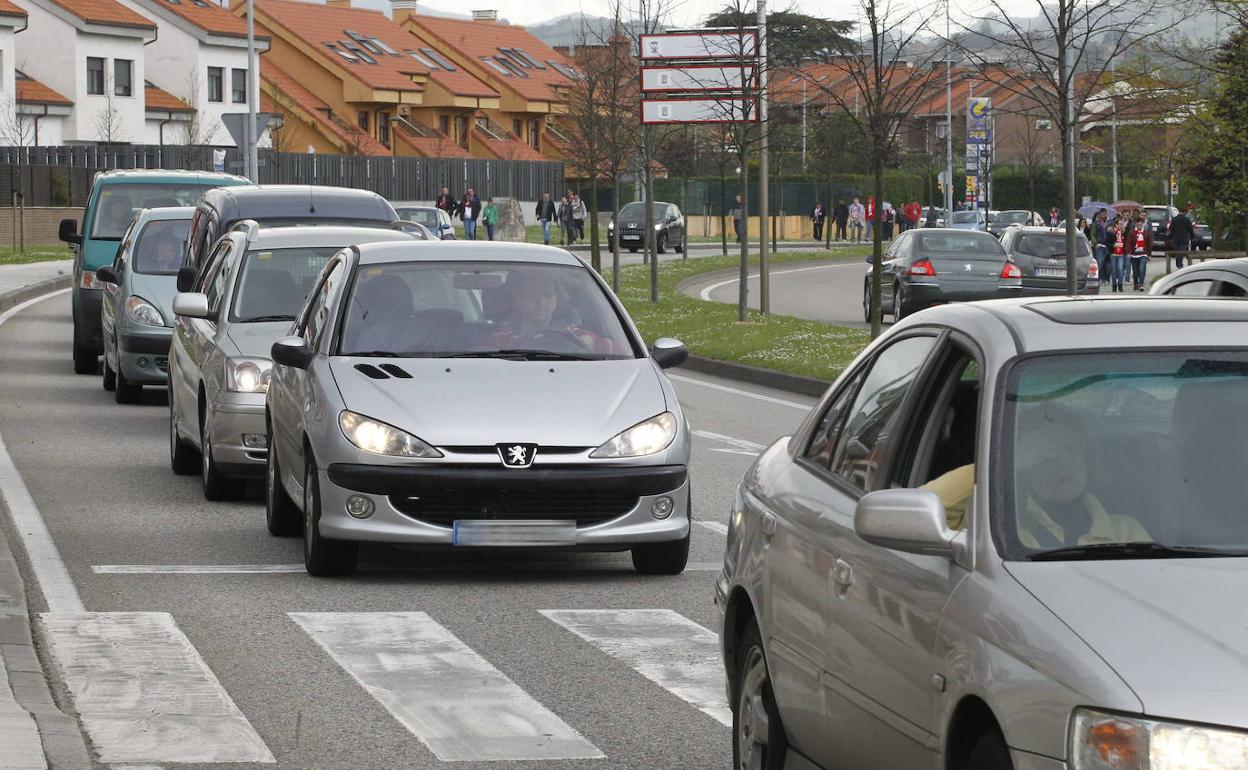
x=108 y=122
x=199 y=130
x=18 y=127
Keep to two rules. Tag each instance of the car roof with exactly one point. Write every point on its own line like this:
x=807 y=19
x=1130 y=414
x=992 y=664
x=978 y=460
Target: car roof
x=325 y=235
x=1239 y=266
x=465 y=251
x=286 y=201
x=1042 y=230
x=168 y=212
x=140 y=176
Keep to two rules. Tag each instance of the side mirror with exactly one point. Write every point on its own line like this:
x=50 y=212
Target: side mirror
x=191 y=305
x=668 y=352
x=68 y=231
x=870 y=259
x=107 y=274
x=292 y=351
x=186 y=278
x=909 y=520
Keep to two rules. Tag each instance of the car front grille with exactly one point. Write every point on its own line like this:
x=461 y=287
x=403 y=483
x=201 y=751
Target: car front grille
x=584 y=506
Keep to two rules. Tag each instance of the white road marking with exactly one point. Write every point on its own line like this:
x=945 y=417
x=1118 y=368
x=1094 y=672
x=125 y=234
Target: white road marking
x=143 y=692
x=714 y=526
x=664 y=646
x=452 y=699
x=705 y=294
x=739 y=392
x=45 y=560
x=741 y=445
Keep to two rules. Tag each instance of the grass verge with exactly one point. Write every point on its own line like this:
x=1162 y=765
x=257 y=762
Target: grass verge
x=711 y=329
x=38 y=253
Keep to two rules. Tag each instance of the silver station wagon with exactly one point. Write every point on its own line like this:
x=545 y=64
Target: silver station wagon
x=1012 y=535
x=474 y=395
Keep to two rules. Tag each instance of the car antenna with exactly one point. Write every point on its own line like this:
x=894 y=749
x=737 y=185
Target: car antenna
x=311 y=201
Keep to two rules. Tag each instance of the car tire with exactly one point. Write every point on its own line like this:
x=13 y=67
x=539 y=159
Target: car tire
x=757 y=727
x=282 y=517
x=661 y=246
x=86 y=361
x=666 y=558
x=899 y=308
x=110 y=377
x=866 y=302
x=216 y=485
x=183 y=458
x=990 y=753
x=124 y=391
x=322 y=557
x=681 y=245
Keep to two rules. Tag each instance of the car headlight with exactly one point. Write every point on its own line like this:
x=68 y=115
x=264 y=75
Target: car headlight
x=87 y=279
x=382 y=439
x=1102 y=741
x=143 y=312
x=644 y=438
x=248 y=375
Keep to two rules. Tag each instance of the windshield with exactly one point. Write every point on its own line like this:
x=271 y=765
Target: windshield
x=426 y=217
x=159 y=248
x=481 y=309
x=1011 y=218
x=1105 y=449
x=1050 y=245
x=966 y=244
x=118 y=203
x=1157 y=216
x=637 y=211
x=967 y=217
x=273 y=284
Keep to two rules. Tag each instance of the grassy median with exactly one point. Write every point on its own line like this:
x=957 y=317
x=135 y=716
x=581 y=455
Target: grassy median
x=711 y=329
x=34 y=253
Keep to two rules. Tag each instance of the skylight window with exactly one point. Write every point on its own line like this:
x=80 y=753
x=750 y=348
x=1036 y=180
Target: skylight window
x=175 y=2
x=201 y=3
x=563 y=69
x=382 y=45
x=515 y=58
x=357 y=51
x=344 y=54
x=529 y=59
x=420 y=57
x=439 y=58
x=509 y=65
x=366 y=42
x=497 y=67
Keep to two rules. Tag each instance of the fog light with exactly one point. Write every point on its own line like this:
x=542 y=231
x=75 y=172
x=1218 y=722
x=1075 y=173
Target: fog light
x=255 y=440
x=662 y=507
x=359 y=506
x=141 y=362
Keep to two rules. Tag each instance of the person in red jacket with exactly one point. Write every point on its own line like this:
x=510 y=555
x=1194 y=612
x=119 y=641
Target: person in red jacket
x=1140 y=243
x=869 y=215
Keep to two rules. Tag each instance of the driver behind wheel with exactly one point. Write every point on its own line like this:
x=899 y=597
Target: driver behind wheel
x=531 y=301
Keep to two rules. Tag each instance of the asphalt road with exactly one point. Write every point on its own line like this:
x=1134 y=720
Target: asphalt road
x=348 y=673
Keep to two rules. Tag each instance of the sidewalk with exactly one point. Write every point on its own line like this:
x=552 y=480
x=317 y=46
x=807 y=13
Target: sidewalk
x=34 y=733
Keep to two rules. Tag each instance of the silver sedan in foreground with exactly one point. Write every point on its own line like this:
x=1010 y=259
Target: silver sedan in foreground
x=1008 y=537
x=474 y=395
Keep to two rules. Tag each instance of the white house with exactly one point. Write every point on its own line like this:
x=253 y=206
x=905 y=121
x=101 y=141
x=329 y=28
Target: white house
x=11 y=18
x=200 y=57
x=41 y=113
x=92 y=52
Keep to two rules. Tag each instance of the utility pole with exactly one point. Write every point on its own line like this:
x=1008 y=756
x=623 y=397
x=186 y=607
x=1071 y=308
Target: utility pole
x=948 y=124
x=1113 y=128
x=253 y=96
x=764 y=280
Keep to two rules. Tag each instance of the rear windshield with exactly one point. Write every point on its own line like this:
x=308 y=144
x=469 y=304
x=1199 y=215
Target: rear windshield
x=159 y=248
x=1049 y=245
x=959 y=243
x=117 y=203
x=273 y=283
x=966 y=217
x=1011 y=218
x=426 y=217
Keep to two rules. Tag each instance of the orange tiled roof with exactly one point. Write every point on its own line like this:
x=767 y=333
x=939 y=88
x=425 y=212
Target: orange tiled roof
x=211 y=17
x=316 y=110
x=9 y=9
x=318 y=25
x=506 y=149
x=31 y=91
x=159 y=99
x=470 y=40
x=107 y=12
x=431 y=146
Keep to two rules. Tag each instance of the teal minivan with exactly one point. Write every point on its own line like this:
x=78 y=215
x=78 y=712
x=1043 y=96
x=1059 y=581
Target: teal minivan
x=114 y=199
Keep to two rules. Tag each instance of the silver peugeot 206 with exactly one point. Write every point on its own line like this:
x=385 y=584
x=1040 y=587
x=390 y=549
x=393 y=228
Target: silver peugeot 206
x=466 y=395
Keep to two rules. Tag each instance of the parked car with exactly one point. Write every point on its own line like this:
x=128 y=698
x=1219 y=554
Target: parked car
x=1003 y=219
x=137 y=312
x=976 y=549
x=1203 y=240
x=1216 y=278
x=1040 y=253
x=437 y=220
x=1159 y=217
x=253 y=283
x=115 y=197
x=931 y=266
x=941 y=215
x=975 y=219
x=470 y=397
x=281 y=206
x=669 y=227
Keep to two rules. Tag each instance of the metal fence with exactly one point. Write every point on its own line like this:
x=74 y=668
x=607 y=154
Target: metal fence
x=61 y=176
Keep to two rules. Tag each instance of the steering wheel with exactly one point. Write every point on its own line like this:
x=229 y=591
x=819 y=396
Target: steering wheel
x=559 y=334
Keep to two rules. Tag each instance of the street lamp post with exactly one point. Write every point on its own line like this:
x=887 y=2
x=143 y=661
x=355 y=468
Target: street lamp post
x=948 y=123
x=253 y=95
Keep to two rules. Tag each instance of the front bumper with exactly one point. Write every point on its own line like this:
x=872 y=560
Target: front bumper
x=144 y=357
x=429 y=494
x=235 y=415
x=87 y=311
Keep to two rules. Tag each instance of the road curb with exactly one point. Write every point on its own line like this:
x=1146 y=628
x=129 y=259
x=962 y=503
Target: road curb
x=25 y=694
x=757 y=375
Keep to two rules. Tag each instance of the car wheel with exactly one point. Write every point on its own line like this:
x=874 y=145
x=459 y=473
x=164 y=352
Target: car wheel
x=182 y=456
x=216 y=486
x=759 y=740
x=661 y=247
x=85 y=360
x=990 y=753
x=899 y=309
x=680 y=245
x=322 y=557
x=866 y=302
x=124 y=391
x=110 y=377
x=667 y=558
x=281 y=515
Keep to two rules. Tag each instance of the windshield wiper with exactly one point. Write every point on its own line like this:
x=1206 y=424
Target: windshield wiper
x=1139 y=550
x=522 y=354
x=262 y=318
x=373 y=354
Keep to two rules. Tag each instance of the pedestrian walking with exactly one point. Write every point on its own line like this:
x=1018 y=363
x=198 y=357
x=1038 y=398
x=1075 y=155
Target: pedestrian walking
x=914 y=213
x=547 y=213
x=470 y=213
x=1099 y=228
x=736 y=215
x=1055 y=217
x=445 y=202
x=1140 y=239
x=841 y=216
x=869 y=215
x=1116 y=247
x=817 y=215
x=578 y=217
x=857 y=215
x=489 y=217
x=887 y=217
x=565 y=220
x=1182 y=232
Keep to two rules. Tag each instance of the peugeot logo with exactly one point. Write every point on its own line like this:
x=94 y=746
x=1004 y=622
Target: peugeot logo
x=517 y=455
x=632 y=224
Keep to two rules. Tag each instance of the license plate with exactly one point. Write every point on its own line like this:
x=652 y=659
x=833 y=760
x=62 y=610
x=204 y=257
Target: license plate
x=1050 y=272
x=517 y=533
x=631 y=237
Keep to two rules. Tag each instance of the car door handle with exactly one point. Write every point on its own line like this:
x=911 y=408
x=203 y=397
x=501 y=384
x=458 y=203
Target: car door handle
x=842 y=577
x=769 y=524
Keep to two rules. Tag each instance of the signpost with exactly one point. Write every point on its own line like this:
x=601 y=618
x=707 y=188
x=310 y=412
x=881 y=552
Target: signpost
x=979 y=146
x=705 y=77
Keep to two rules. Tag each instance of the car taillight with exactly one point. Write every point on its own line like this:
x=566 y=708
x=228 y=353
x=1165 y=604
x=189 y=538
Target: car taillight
x=922 y=267
x=1011 y=271
x=1094 y=270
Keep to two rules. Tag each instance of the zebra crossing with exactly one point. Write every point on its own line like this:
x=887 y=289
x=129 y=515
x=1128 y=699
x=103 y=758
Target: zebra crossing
x=146 y=696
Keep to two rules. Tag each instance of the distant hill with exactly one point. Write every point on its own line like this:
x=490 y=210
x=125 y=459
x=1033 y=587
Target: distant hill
x=574 y=29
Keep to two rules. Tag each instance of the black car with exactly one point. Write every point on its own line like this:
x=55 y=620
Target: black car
x=1040 y=253
x=669 y=227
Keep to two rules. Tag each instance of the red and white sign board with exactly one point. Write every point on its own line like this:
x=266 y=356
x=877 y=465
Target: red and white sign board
x=661 y=111
x=709 y=77
x=700 y=45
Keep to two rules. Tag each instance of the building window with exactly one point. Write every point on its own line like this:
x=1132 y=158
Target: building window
x=362 y=120
x=383 y=128
x=535 y=133
x=216 y=84
x=517 y=128
x=238 y=86
x=95 y=75
x=123 y=70
x=444 y=125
